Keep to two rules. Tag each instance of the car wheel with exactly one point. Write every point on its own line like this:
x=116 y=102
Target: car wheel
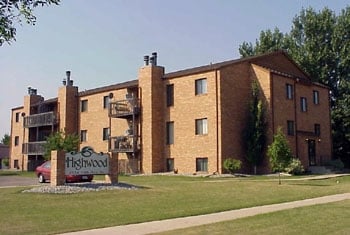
x=41 y=179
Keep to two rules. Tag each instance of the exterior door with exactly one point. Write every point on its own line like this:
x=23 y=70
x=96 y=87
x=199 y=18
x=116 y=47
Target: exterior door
x=312 y=152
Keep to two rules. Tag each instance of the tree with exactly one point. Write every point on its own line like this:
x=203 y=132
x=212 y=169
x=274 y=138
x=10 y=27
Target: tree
x=15 y=11
x=6 y=140
x=320 y=43
x=254 y=133
x=61 y=141
x=279 y=152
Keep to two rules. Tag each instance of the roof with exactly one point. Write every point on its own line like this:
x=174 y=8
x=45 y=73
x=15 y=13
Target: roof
x=133 y=83
x=275 y=61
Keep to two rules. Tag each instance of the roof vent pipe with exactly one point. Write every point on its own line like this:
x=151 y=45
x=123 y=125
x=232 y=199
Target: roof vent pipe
x=69 y=82
x=146 y=59
x=154 y=57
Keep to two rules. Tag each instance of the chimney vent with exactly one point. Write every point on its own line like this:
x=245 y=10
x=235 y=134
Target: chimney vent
x=146 y=59
x=68 y=81
x=154 y=56
x=32 y=91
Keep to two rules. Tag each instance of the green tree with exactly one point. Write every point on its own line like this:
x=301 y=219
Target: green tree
x=320 y=43
x=255 y=131
x=13 y=12
x=279 y=152
x=6 y=140
x=61 y=141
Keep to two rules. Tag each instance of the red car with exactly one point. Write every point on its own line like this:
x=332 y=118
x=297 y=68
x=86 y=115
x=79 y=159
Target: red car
x=43 y=172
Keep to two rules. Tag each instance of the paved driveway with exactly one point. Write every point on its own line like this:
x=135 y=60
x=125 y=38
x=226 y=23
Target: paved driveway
x=12 y=181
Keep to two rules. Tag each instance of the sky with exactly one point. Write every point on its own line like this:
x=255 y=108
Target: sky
x=103 y=42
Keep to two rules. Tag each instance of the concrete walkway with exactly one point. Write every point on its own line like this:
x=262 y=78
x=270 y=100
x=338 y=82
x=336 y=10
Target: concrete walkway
x=186 y=222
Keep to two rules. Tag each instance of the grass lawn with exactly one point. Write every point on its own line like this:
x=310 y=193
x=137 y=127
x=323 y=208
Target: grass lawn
x=160 y=197
x=332 y=218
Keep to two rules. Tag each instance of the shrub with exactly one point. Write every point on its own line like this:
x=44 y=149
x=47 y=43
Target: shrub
x=6 y=162
x=295 y=167
x=336 y=163
x=232 y=165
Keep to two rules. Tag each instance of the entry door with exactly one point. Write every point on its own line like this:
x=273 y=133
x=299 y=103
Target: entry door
x=312 y=152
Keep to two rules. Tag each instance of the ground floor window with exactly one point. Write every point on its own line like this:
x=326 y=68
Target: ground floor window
x=170 y=164
x=201 y=164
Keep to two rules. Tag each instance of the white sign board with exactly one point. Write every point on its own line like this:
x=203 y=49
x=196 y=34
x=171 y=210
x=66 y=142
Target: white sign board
x=87 y=162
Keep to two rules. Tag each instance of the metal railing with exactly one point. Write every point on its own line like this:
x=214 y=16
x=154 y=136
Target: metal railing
x=34 y=148
x=41 y=119
x=124 y=144
x=124 y=107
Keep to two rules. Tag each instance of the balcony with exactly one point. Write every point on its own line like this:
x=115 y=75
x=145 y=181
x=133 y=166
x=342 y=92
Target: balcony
x=34 y=148
x=41 y=119
x=124 y=108
x=124 y=144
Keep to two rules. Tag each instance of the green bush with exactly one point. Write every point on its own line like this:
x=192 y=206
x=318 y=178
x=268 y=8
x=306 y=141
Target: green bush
x=232 y=165
x=295 y=167
x=336 y=163
x=5 y=162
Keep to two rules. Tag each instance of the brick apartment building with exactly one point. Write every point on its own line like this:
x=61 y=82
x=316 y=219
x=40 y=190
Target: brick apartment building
x=189 y=121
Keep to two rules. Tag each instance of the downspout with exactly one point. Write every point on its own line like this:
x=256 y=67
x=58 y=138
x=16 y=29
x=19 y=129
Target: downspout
x=272 y=106
x=295 y=118
x=217 y=120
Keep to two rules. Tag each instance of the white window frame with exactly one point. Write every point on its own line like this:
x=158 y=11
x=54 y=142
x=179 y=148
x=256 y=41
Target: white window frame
x=201 y=126
x=201 y=86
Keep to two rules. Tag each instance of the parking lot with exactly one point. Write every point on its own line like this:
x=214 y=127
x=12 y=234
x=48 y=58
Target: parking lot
x=12 y=181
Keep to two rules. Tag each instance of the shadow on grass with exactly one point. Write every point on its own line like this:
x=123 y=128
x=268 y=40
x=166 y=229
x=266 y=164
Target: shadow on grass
x=309 y=184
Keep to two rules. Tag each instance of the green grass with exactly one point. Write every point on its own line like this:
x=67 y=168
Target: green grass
x=161 y=197
x=332 y=218
x=17 y=173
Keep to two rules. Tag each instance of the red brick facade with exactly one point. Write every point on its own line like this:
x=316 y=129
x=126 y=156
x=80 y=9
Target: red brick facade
x=187 y=121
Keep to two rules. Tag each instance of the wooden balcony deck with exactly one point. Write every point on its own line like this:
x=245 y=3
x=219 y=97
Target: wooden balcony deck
x=41 y=119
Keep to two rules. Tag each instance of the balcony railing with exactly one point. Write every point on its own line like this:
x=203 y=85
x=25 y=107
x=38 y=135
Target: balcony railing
x=41 y=119
x=124 y=108
x=124 y=144
x=34 y=148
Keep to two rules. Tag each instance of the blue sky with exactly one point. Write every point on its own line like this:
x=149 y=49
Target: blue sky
x=103 y=42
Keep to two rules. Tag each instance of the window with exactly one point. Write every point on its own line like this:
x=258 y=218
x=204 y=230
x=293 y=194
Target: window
x=105 y=133
x=105 y=101
x=170 y=133
x=201 y=86
x=289 y=91
x=201 y=126
x=17 y=117
x=317 y=129
x=170 y=95
x=201 y=164
x=16 y=140
x=84 y=106
x=316 y=97
x=303 y=104
x=83 y=135
x=170 y=164
x=290 y=127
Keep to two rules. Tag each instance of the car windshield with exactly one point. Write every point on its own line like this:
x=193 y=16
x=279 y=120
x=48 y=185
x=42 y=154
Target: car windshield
x=47 y=165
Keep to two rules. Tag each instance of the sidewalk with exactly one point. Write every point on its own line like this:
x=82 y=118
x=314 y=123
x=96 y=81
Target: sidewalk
x=185 y=222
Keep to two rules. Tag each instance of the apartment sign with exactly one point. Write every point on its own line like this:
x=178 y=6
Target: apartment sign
x=87 y=161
